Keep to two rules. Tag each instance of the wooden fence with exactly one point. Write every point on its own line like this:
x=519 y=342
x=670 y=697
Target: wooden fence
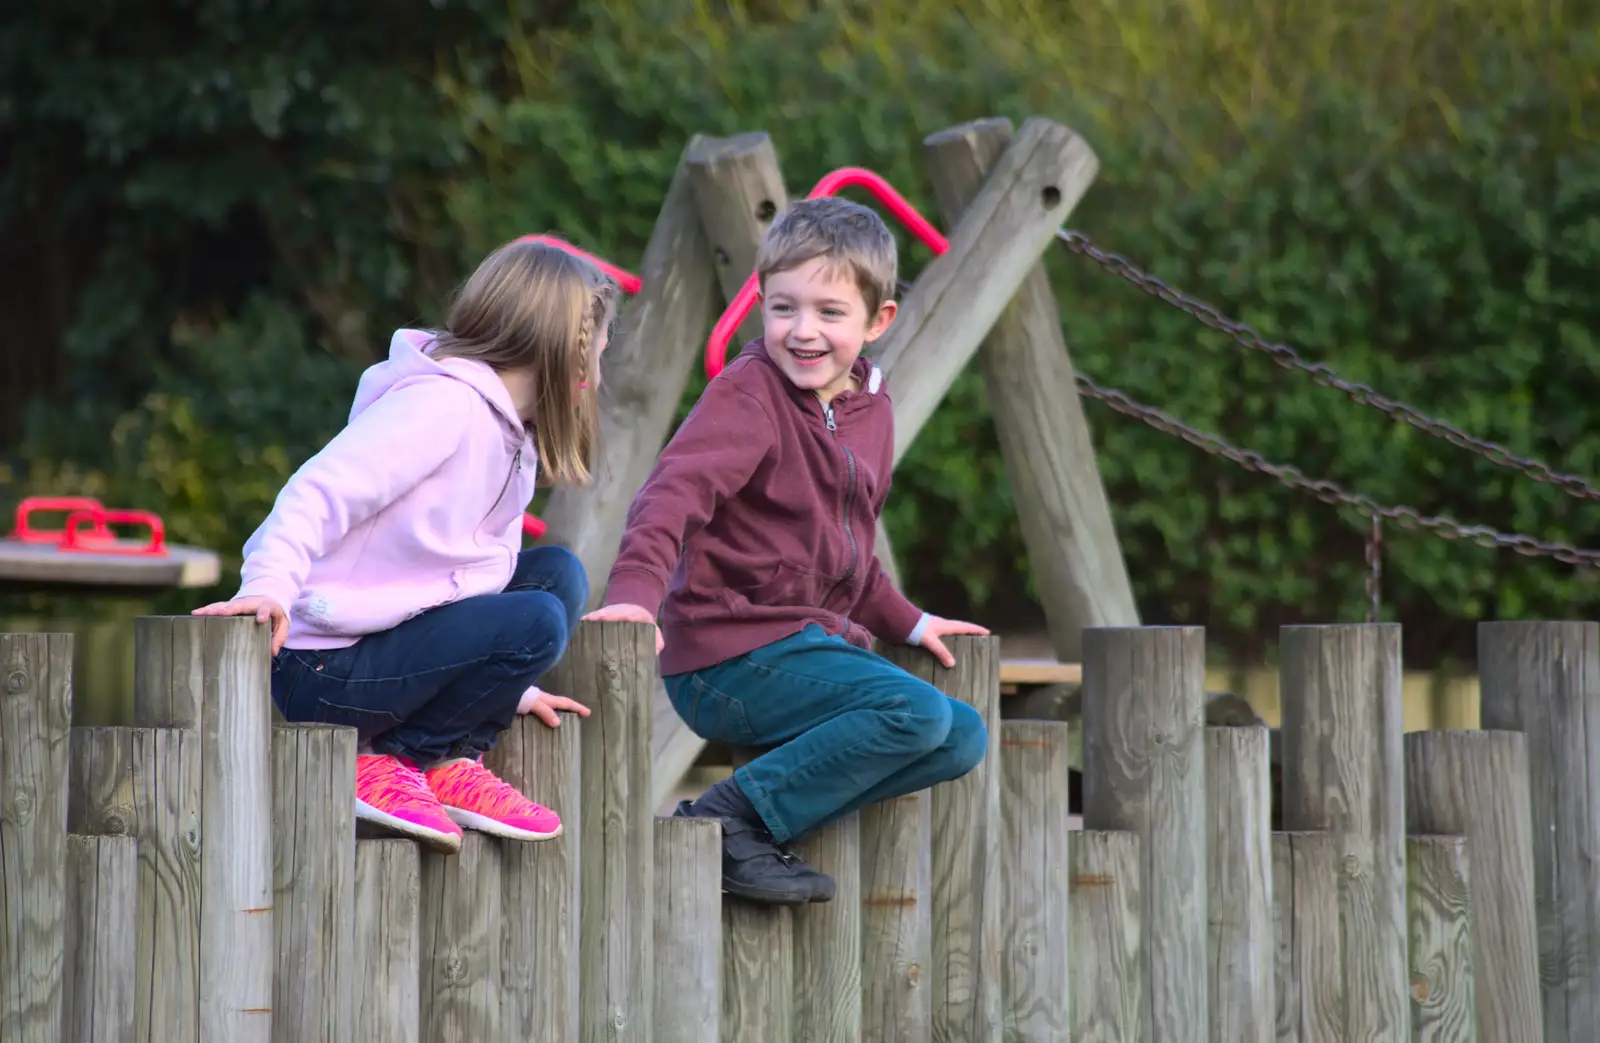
x=198 y=876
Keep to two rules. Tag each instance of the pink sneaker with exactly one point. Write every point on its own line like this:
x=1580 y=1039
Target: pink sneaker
x=395 y=795
x=478 y=799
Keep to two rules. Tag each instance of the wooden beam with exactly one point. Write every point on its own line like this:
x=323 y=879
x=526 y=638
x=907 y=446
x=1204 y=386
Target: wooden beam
x=659 y=336
x=959 y=296
x=1072 y=545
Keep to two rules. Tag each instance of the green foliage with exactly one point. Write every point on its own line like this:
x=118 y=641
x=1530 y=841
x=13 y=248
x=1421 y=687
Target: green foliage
x=237 y=203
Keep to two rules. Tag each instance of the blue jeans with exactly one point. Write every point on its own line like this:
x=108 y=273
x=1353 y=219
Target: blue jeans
x=848 y=727
x=447 y=682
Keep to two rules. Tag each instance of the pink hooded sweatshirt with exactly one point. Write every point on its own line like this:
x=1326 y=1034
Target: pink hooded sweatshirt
x=418 y=502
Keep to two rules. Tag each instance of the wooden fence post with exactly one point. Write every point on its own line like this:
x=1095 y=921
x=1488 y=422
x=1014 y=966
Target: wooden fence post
x=1439 y=949
x=688 y=930
x=35 y=723
x=539 y=966
x=611 y=668
x=313 y=797
x=102 y=884
x=1343 y=773
x=388 y=941
x=461 y=947
x=960 y=294
x=1108 y=918
x=1543 y=679
x=738 y=190
x=1309 y=970
x=1035 y=773
x=1239 y=877
x=660 y=334
x=1144 y=772
x=827 y=939
x=1475 y=784
x=1044 y=436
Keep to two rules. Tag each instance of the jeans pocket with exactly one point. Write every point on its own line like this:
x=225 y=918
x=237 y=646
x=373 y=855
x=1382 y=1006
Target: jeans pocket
x=717 y=716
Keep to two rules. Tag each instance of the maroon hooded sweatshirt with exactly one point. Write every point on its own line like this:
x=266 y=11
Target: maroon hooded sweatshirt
x=760 y=518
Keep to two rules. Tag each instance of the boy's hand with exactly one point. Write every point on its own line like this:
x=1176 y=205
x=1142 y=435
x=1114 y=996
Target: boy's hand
x=938 y=628
x=626 y=614
x=264 y=609
x=543 y=705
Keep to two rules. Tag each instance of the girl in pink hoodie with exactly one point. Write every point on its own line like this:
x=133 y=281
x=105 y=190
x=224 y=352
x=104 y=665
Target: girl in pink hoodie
x=391 y=567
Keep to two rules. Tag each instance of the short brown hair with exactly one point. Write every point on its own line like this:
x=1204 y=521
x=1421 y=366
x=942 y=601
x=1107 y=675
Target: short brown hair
x=847 y=234
x=533 y=305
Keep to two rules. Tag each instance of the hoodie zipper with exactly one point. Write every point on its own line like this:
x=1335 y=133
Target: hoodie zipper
x=516 y=465
x=849 y=500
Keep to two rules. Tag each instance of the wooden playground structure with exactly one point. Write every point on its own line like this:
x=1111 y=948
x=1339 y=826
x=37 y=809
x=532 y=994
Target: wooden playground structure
x=197 y=875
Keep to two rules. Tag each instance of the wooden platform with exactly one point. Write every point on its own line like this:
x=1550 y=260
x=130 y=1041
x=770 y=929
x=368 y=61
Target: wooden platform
x=41 y=565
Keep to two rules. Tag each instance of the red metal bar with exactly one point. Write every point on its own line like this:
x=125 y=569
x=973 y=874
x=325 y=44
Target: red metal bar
x=25 y=531
x=629 y=282
x=830 y=185
x=101 y=541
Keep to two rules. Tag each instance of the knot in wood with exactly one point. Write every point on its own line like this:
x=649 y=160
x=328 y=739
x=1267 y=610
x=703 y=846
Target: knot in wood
x=191 y=837
x=22 y=807
x=914 y=973
x=1421 y=988
x=1350 y=865
x=618 y=1022
x=115 y=824
x=17 y=681
x=454 y=969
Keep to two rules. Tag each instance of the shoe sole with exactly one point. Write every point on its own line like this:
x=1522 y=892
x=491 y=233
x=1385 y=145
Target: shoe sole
x=484 y=824
x=764 y=897
x=447 y=843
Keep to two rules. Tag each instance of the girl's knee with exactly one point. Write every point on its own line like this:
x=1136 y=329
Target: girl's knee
x=532 y=623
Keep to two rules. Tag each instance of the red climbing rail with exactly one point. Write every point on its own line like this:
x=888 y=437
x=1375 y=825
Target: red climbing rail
x=844 y=177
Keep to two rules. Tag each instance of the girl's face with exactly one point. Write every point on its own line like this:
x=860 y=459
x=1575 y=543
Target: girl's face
x=816 y=323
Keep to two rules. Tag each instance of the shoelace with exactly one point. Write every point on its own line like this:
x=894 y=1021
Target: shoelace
x=405 y=783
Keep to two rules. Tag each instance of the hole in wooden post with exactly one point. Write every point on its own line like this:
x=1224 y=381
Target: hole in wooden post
x=1051 y=196
x=766 y=210
x=721 y=256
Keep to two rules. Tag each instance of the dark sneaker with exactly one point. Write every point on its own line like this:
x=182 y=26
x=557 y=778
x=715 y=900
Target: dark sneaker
x=757 y=868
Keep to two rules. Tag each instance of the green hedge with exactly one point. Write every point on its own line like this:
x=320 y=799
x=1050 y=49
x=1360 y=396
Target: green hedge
x=254 y=206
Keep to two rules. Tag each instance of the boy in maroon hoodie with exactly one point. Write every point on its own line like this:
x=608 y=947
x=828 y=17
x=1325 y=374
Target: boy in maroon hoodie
x=753 y=538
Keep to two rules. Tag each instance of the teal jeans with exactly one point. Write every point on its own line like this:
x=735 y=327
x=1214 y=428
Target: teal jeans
x=842 y=728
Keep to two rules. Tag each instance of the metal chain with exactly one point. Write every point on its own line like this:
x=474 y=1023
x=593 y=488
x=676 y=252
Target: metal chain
x=1330 y=492
x=1285 y=356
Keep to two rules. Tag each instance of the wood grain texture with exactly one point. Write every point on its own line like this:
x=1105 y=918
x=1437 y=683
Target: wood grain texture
x=461 y=972
x=1343 y=773
x=611 y=668
x=35 y=721
x=1036 y=875
x=1109 y=972
x=314 y=854
x=1308 y=971
x=539 y=932
x=387 y=970
x=1543 y=679
x=102 y=939
x=1475 y=784
x=1144 y=772
x=960 y=294
x=827 y=939
x=1074 y=555
x=1443 y=1009
x=145 y=783
x=897 y=903
x=757 y=973
x=738 y=190
x=658 y=337
x=688 y=930
x=1241 y=947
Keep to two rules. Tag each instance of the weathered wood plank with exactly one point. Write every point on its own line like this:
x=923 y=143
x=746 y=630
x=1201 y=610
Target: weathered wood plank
x=1308 y=971
x=1073 y=552
x=387 y=971
x=1343 y=773
x=1475 y=784
x=35 y=724
x=611 y=668
x=827 y=939
x=540 y=998
x=145 y=783
x=460 y=949
x=102 y=939
x=1443 y=1009
x=738 y=190
x=960 y=294
x=1035 y=780
x=314 y=854
x=30 y=566
x=688 y=930
x=757 y=972
x=658 y=338
x=1241 y=945
x=1110 y=983
x=1543 y=679
x=1144 y=772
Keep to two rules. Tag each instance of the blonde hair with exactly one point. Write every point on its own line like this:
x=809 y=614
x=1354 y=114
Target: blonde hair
x=848 y=235
x=534 y=306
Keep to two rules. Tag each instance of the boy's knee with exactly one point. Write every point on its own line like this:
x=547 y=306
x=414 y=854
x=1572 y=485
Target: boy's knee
x=926 y=717
x=968 y=741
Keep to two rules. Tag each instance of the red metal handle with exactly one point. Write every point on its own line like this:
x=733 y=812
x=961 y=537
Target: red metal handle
x=27 y=533
x=101 y=541
x=629 y=282
x=844 y=177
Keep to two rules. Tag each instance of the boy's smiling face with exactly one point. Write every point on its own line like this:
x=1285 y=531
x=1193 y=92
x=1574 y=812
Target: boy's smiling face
x=816 y=322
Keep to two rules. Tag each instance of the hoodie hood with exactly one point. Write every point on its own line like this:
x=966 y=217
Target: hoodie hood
x=409 y=361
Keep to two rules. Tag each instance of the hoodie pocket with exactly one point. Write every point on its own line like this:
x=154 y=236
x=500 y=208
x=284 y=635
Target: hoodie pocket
x=791 y=584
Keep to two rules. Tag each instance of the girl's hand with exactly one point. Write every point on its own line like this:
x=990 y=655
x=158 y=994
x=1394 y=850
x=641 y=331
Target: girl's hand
x=625 y=613
x=938 y=628
x=264 y=609
x=544 y=706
